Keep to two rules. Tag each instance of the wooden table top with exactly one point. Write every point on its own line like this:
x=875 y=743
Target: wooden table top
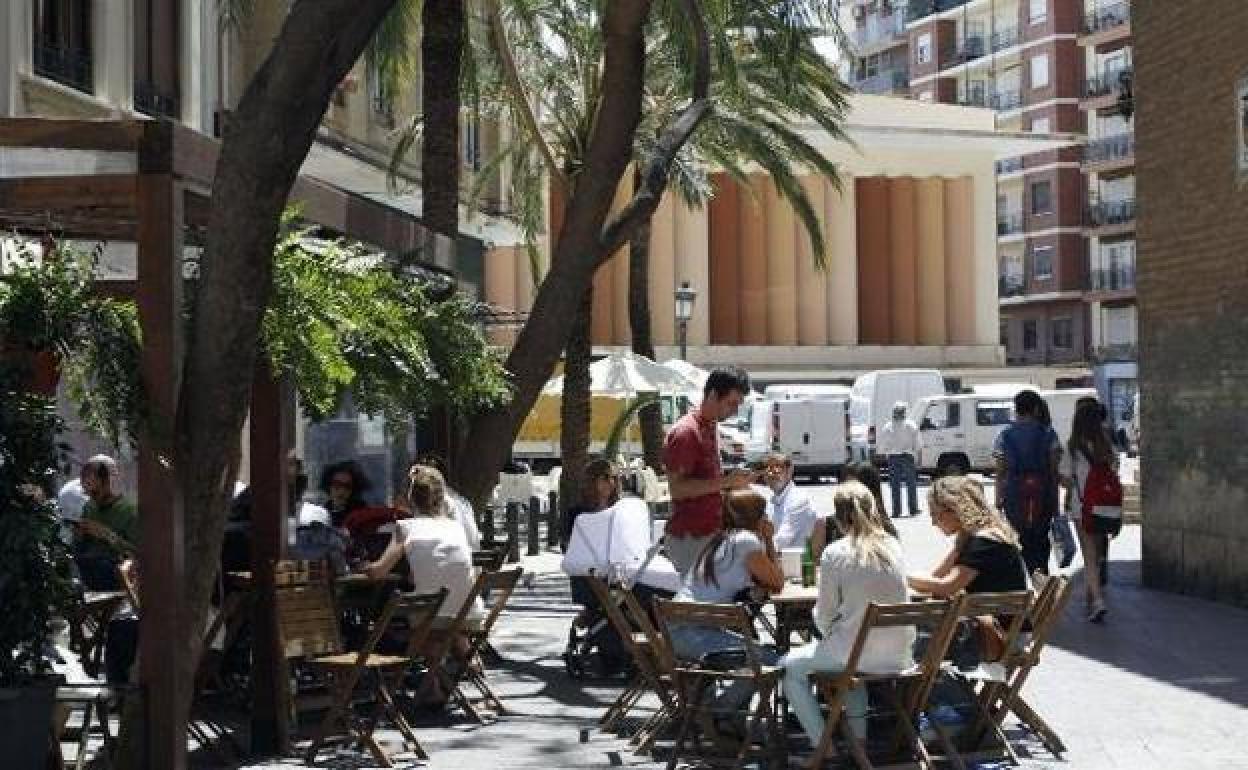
x=793 y=593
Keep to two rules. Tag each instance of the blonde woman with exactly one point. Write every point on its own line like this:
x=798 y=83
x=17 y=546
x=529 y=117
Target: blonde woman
x=985 y=557
x=865 y=565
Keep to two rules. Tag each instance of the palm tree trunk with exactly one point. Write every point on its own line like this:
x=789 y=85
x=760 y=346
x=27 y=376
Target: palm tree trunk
x=575 y=406
x=441 y=49
x=651 y=416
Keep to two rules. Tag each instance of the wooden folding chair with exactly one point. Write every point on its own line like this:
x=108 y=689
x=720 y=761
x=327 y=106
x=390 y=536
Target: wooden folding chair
x=632 y=632
x=1002 y=695
x=452 y=666
x=695 y=679
x=909 y=689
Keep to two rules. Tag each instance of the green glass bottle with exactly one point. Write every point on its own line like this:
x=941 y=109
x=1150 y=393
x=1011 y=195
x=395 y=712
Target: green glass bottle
x=808 y=566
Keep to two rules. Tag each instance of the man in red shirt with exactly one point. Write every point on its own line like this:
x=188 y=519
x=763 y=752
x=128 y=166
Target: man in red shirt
x=695 y=477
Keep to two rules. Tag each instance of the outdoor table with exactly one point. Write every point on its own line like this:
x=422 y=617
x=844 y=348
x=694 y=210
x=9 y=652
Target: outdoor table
x=89 y=626
x=793 y=604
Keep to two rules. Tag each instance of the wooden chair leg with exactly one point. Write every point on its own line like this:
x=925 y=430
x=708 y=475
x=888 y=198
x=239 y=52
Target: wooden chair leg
x=1027 y=715
x=856 y=749
x=339 y=702
x=690 y=700
x=826 y=747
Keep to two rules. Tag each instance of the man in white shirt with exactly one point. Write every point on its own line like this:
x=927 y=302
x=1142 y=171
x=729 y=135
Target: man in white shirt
x=899 y=442
x=789 y=508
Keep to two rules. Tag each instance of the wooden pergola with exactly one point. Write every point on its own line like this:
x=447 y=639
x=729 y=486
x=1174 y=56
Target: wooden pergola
x=149 y=183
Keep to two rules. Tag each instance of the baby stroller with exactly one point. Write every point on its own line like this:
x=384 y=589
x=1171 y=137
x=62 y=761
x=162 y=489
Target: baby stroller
x=611 y=544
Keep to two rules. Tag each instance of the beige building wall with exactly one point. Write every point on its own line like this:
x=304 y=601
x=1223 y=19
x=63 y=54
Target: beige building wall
x=812 y=282
x=781 y=257
x=841 y=232
x=663 y=273
x=960 y=283
x=931 y=278
x=753 y=274
x=693 y=264
x=903 y=256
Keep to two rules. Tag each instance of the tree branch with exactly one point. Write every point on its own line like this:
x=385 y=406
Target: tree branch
x=520 y=101
x=654 y=177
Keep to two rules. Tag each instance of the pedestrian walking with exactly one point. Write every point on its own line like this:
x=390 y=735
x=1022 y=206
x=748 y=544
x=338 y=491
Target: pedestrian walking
x=899 y=442
x=1027 y=454
x=1090 y=455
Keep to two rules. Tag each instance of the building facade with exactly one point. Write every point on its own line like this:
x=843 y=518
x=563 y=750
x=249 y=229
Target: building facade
x=1192 y=131
x=1065 y=218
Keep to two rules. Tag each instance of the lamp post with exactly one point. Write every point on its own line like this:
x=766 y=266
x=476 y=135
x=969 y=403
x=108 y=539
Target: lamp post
x=685 y=297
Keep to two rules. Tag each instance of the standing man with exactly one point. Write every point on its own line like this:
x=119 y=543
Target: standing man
x=1027 y=454
x=899 y=442
x=695 y=477
x=789 y=509
x=108 y=529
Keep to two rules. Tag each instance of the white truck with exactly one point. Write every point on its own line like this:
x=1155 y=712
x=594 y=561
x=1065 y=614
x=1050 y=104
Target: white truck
x=806 y=390
x=814 y=432
x=957 y=432
x=872 y=399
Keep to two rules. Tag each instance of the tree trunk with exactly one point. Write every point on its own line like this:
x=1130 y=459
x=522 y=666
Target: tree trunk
x=266 y=141
x=441 y=49
x=651 y=416
x=575 y=407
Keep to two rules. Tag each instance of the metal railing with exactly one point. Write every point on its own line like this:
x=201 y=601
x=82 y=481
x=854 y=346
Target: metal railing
x=880 y=30
x=1106 y=213
x=150 y=100
x=1009 y=223
x=1122 y=351
x=883 y=82
x=70 y=66
x=1011 y=285
x=1010 y=99
x=1119 y=278
x=968 y=49
x=919 y=9
x=1111 y=148
x=1010 y=165
x=1004 y=38
x=1107 y=83
x=1107 y=17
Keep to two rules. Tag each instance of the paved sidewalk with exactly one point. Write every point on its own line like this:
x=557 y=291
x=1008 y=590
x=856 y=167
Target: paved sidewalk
x=1162 y=684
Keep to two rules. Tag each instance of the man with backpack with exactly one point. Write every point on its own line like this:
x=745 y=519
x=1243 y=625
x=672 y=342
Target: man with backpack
x=1027 y=454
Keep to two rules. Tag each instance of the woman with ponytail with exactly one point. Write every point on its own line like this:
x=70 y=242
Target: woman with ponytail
x=863 y=566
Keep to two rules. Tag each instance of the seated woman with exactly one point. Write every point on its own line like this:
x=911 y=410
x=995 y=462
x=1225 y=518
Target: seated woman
x=864 y=565
x=739 y=557
x=985 y=557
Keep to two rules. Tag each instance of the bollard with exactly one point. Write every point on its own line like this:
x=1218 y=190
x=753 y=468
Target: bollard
x=552 y=520
x=535 y=520
x=487 y=527
x=513 y=533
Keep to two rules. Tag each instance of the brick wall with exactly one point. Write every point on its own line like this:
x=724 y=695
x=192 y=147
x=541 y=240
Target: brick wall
x=1193 y=296
x=1043 y=314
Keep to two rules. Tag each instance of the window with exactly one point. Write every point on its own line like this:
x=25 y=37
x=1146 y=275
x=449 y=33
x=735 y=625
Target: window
x=989 y=413
x=155 y=59
x=1029 y=335
x=1040 y=72
x=923 y=51
x=1063 y=333
x=1038 y=11
x=1042 y=263
x=62 y=42
x=1041 y=126
x=1042 y=197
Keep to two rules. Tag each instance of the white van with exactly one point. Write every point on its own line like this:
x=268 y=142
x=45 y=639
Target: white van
x=872 y=399
x=957 y=433
x=807 y=391
x=814 y=432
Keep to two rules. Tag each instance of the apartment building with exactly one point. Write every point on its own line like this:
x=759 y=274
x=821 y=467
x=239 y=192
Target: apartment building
x=1065 y=218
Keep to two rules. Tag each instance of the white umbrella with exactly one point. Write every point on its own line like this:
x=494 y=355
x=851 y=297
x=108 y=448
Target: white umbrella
x=695 y=374
x=624 y=375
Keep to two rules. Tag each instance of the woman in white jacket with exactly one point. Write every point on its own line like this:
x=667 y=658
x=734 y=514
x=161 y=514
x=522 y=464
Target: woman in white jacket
x=864 y=566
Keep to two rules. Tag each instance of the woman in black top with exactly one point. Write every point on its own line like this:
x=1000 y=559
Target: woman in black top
x=985 y=557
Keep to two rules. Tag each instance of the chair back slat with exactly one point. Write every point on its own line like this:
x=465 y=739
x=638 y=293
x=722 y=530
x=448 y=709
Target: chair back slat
x=1016 y=605
x=625 y=614
x=726 y=617
x=421 y=610
x=939 y=617
x=307 y=618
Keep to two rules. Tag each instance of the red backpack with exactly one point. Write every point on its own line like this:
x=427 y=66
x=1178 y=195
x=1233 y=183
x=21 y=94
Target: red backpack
x=1101 y=497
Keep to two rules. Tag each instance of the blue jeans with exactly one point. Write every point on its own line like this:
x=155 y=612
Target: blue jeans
x=901 y=469
x=690 y=643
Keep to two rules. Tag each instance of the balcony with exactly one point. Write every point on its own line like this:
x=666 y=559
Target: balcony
x=1009 y=165
x=1110 y=213
x=1112 y=151
x=70 y=66
x=997 y=100
x=880 y=32
x=1109 y=89
x=1006 y=100
x=1011 y=285
x=1122 y=351
x=1004 y=38
x=1010 y=223
x=150 y=100
x=921 y=9
x=886 y=82
x=969 y=49
x=1119 y=278
x=1107 y=18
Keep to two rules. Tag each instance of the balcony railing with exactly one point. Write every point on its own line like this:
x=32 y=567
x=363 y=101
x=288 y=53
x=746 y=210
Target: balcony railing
x=1107 y=213
x=997 y=100
x=920 y=9
x=70 y=66
x=1011 y=285
x=1111 y=148
x=1119 y=278
x=1006 y=100
x=969 y=49
x=1009 y=223
x=1004 y=38
x=1010 y=165
x=150 y=100
x=881 y=30
x=883 y=82
x=1108 y=17
x=1108 y=83
x=1122 y=351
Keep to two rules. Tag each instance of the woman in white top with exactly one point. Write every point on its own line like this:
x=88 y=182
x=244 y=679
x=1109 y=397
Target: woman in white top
x=864 y=566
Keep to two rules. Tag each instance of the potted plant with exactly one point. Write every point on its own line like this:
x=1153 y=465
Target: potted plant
x=34 y=569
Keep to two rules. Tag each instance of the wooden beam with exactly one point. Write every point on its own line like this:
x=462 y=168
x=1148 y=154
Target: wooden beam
x=118 y=192
x=104 y=135
x=194 y=156
x=163 y=544
x=78 y=225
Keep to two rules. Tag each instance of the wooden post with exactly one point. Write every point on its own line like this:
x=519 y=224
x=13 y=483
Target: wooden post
x=164 y=672
x=552 y=520
x=513 y=533
x=535 y=520
x=270 y=437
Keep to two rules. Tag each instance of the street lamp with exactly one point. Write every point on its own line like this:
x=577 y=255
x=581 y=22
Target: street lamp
x=685 y=297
